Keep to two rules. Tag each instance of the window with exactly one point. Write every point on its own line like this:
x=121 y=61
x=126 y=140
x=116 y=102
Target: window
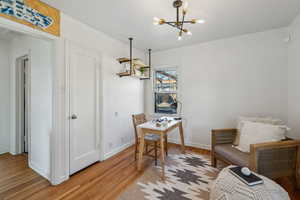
x=165 y=91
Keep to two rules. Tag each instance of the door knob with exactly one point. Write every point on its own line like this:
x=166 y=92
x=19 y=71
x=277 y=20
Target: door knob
x=73 y=116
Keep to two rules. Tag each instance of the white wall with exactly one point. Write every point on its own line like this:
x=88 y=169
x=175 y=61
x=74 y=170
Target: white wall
x=41 y=62
x=294 y=79
x=4 y=97
x=224 y=79
x=122 y=97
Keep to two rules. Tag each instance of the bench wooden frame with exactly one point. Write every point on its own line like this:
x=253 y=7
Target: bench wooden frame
x=271 y=152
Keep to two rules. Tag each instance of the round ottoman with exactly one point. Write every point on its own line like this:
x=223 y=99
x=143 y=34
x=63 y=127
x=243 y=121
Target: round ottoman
x=229 y=187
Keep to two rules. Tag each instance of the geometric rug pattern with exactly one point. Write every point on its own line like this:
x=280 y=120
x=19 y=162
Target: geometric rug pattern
x=188 y=177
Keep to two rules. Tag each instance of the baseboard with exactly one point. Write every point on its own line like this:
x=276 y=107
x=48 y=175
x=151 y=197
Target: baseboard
x=3 y=149
x=117 y=150
x=39 y=170
x=13 y=153
x=191 y=144
x=125 y=146
x=59 y=180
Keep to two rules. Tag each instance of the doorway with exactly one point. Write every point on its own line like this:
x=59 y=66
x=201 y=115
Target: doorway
x=40 y=117
x=22 y=100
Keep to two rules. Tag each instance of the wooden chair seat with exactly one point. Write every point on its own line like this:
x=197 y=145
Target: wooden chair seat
x=152 y=137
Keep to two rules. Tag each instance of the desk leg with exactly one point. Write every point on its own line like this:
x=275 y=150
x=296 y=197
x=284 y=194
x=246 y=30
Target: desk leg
x=181 y=138
x=162 y=156
x=141 y=150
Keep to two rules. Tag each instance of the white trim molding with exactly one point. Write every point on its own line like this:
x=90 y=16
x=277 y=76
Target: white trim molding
x=118 y=150
x=40 y=171
x=14 y=143
x=125 y=146
x=191 y=144
x=59 y=150
x=4 y=149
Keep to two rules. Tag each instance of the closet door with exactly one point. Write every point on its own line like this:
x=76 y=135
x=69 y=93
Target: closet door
x=84 y=107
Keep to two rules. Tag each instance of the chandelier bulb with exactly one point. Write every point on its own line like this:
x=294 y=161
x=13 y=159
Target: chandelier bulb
x=200 y=21
x=189 y=33
x=185 y=5
x=156 y=20
x=180 y=36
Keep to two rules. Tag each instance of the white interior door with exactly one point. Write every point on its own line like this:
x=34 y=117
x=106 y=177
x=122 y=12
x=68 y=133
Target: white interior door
x=84 y=108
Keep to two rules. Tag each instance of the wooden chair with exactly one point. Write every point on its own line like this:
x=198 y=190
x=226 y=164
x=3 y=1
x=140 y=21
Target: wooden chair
x=151 y=140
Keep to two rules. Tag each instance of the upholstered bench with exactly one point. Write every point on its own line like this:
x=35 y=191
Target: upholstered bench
x=272 y=159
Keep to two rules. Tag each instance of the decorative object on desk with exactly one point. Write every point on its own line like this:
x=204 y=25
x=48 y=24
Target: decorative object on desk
x=179 y=23
x=134 y=66
x=188 y=177
x=158 y=124
x=162 y=121
x=180 y=110
x=245 y=175
x=32 y=13
x=165 y=123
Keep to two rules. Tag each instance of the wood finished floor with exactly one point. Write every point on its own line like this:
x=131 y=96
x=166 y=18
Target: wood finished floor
x=103 y=181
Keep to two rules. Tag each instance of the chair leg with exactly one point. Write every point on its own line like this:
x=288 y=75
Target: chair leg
x=146 y=148
x=298 y=182
x=155 y=152
x=136 y=151
x=213 y=161
x=166 y=144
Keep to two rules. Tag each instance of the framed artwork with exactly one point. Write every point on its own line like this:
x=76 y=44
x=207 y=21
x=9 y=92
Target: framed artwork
x=32 y=13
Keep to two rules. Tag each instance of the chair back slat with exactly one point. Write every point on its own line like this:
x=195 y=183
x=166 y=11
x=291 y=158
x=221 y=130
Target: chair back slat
x=137 y=120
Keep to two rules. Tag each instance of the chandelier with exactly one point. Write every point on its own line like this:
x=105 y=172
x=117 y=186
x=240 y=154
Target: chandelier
x=179 y=23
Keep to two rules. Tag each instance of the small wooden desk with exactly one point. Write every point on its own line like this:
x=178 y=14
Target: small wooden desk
x=150 y=127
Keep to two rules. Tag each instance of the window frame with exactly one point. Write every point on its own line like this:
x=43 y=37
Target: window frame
x=154 y=89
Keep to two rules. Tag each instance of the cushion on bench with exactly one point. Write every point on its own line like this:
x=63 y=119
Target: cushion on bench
x=233 y=155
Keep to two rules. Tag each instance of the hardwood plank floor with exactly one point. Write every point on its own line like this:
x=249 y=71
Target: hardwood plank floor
x=105 y=180
x=17 y=180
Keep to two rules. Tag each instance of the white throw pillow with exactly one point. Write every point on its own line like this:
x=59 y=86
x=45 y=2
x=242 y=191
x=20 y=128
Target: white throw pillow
x=255 y=133
x=266 y=120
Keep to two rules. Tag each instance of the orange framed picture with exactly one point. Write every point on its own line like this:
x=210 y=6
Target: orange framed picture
x=32 y=13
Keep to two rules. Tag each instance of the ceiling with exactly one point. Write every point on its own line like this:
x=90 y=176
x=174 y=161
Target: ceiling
x=224 y=18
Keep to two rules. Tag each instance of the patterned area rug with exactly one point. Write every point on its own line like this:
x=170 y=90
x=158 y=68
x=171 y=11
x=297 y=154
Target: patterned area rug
x=188 y=177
